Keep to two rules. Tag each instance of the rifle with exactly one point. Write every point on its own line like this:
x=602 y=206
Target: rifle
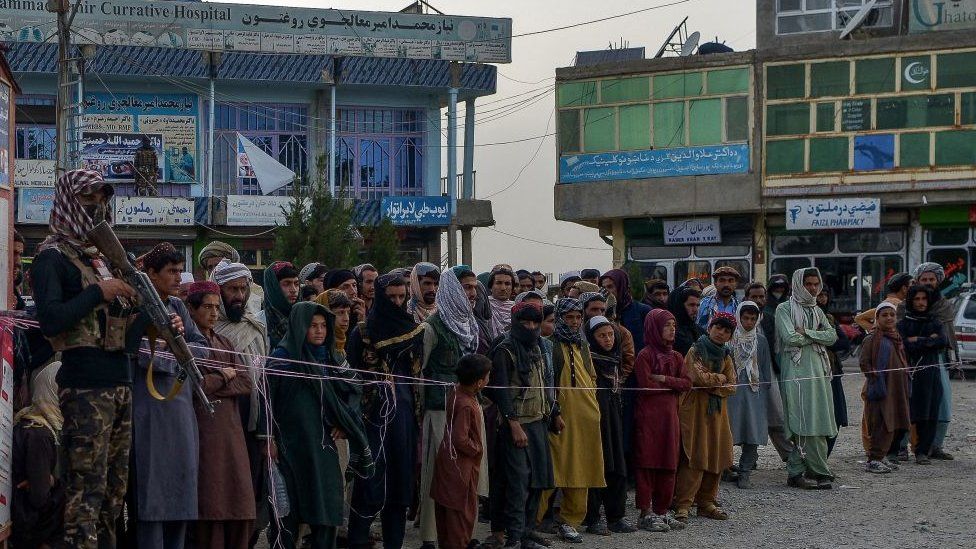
x=103 y=237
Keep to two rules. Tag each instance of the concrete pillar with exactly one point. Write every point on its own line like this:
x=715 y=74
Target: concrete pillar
x=760 y=247
x=452 y=174
x=468 y=171
x=466 y=246
x=619 y=243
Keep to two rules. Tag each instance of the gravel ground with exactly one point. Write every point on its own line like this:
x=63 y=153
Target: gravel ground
x=915 y=507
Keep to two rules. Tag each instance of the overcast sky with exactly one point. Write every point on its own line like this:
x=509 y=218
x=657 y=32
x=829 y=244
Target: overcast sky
x=526 y=208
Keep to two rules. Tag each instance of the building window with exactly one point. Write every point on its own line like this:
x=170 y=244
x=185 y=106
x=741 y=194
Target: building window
x=279 y=129
x=35 y=142
x=804 y=16
x=660 y=111
x=380 y=152
x=924 y=130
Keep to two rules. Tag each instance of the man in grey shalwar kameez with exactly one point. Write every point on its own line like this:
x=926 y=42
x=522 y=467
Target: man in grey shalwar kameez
x=165 y=447
x=753 y=372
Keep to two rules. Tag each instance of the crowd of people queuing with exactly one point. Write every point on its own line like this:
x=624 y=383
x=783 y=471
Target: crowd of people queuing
x=345 y=396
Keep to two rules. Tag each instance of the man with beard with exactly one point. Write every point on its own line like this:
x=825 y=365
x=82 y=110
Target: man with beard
x=83 y=312
x=450 y=333
x=424 y=279
x=724 y=300
x=500 y=285
x=941 y=310
x=248 y=336
x=366 y=280
x=388 y=345
x=216 y=252
x=656 y=293
x=281 y=291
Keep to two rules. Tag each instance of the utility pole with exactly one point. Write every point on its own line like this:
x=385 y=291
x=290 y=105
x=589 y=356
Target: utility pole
x=70 y=103
x=452 y=162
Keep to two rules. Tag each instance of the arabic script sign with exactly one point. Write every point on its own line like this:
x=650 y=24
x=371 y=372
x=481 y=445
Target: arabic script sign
x=156 y=210
x=34 y=205
x=269 y=29
x=257 y=210
x=418 y=211
x=33 y=173
x=939 y=15
x=713 y=159
x=703 y=230
x=833 y=213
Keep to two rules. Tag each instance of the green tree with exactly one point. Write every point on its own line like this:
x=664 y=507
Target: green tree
x=319 y=228
x=381 y=245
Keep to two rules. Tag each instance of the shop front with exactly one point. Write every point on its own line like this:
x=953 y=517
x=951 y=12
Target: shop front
x=676 y=250
x=856 y=248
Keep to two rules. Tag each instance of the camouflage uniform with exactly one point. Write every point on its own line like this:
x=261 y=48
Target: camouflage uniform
x=97 y=437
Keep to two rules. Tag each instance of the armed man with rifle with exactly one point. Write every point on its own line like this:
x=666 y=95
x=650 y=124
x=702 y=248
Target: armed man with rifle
x=86 y=311
x=83 y=310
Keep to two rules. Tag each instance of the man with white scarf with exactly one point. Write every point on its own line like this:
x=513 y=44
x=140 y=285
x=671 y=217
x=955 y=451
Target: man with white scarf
x=248 y=335
x=449 y=333
x=802 y=334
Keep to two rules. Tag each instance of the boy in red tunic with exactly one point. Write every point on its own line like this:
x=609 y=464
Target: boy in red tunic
x=454 y=487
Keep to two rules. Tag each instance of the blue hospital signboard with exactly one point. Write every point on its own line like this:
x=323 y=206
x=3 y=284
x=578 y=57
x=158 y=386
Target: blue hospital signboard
x=705 y=160
x=417 y=211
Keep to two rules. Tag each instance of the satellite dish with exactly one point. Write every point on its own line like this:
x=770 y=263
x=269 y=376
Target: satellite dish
x=858 y=19
x=690 y=44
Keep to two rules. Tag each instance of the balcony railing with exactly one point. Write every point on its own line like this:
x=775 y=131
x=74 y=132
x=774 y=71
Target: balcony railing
x=459 y=185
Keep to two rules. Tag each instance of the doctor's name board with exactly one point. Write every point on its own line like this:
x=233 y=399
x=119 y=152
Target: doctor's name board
x=267 y=29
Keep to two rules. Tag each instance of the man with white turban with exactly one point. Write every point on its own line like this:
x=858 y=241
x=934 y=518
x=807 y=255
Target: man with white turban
x=248 y=335
x=932 y=275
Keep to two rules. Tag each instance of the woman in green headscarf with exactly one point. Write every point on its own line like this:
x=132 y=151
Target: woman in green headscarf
x=312 y=409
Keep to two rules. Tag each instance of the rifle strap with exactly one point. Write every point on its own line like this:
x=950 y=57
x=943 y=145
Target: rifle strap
x=150 y=386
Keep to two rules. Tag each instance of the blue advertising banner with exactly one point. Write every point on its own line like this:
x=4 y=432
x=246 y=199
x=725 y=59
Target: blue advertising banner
x=174 y=116
x=705 y=160
x=418 y=211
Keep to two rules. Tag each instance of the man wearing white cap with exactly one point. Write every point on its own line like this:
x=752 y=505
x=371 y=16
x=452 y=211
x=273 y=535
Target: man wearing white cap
x=566 y=280
x=248 y=335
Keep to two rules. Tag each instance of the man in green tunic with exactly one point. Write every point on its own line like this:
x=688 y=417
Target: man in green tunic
x=802 y=335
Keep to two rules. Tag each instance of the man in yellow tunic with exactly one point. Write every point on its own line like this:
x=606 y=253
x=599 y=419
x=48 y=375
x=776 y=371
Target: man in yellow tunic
x=576 y=445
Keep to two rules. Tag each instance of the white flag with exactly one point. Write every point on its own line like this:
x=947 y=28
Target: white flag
x=252 y=161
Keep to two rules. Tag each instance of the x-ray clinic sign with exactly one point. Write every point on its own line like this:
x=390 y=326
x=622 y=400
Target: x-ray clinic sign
x=940 y=15
x=705 y=230
x=269 y=29
x=833 y=213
